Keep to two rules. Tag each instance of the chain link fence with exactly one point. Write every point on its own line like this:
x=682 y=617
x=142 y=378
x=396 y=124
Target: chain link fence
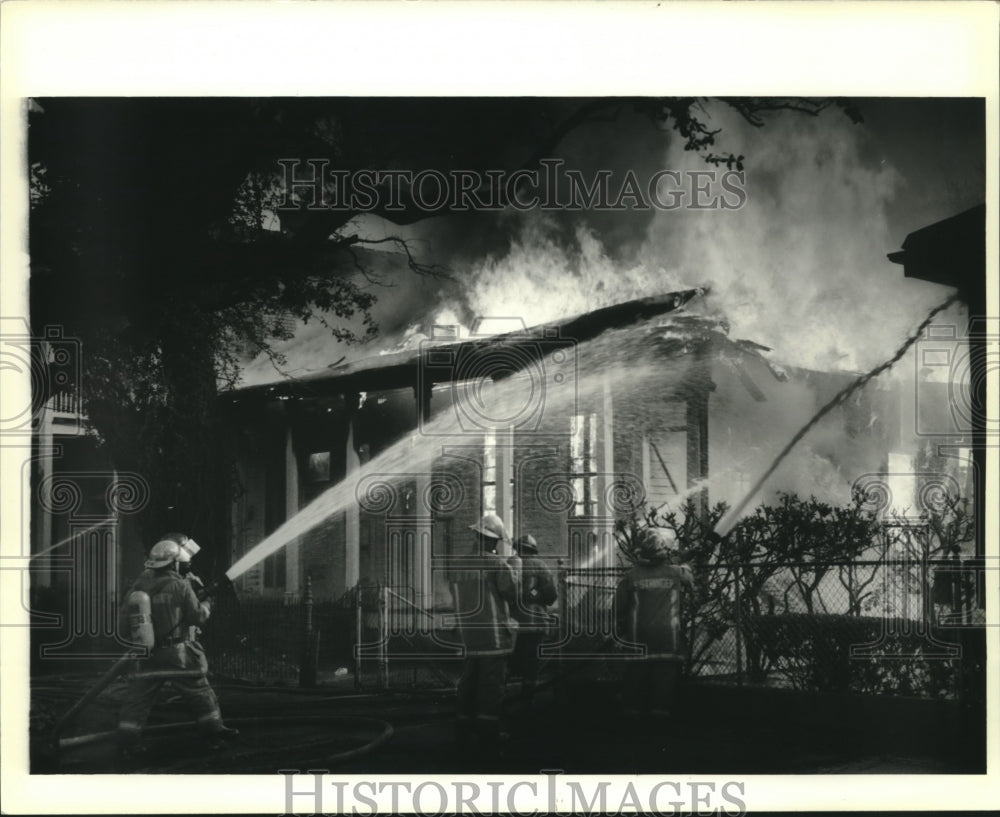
x=886 y=626
x=890 y=626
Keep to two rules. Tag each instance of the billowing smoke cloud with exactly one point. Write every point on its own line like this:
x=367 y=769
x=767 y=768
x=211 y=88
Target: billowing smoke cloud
x=801 y=267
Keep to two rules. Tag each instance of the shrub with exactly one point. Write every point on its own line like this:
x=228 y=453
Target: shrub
x=813 y=652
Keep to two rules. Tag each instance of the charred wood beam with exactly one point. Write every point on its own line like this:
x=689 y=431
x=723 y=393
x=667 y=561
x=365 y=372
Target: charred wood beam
x=400 y=370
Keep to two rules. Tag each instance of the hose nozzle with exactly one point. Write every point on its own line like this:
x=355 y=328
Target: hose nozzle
x=223 y=584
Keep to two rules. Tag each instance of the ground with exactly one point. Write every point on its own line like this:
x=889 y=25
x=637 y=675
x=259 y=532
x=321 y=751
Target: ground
x=345 y=730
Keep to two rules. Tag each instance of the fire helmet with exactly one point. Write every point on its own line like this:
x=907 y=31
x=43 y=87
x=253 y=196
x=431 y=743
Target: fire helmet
x=526 y=544
x=164 y=553
x=491 y=526
x=654 y=544
x=188 y=545
x=173 y=547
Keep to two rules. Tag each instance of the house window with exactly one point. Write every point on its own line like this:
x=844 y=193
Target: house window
x=490 y=471
x=583 y=464
x=498 y=478
x=664 y=465
x=274 y=571
x=318 y=469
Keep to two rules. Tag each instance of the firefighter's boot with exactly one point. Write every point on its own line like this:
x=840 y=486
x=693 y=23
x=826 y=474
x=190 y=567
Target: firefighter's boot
x=220 y=738
x=131 y=751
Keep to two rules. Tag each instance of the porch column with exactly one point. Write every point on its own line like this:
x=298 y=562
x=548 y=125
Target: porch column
x=422 y=582
x=352 y=517
x=41 y=517
x=504 y=477
x=423 y=589
x=606 y=526
x=291 y=508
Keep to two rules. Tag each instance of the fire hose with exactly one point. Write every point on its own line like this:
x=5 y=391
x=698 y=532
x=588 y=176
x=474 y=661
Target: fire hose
x=261 y=758
x=116 y=669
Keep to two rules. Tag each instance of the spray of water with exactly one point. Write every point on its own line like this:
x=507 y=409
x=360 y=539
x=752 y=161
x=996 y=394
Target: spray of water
x=408 y=454
x=726 y=523
x=73 y=536
x=647 y=363
x=600 y=363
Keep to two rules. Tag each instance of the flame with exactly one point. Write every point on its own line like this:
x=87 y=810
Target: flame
x=801 y=267
x=540 y=281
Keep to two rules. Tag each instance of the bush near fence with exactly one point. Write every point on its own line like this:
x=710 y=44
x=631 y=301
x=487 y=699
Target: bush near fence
x=813 y=652
x=734 y=636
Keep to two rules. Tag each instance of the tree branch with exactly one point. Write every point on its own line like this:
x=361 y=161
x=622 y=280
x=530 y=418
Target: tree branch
x=435 y=270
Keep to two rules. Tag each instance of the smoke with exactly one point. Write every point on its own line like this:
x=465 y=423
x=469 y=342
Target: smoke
x=802 y=267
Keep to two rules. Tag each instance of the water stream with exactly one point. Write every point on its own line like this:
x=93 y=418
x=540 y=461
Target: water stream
x=555 y=390
x=633 y=362
x=727 y=522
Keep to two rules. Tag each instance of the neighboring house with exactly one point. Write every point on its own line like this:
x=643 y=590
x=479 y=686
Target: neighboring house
x=557 y=429
x=79 y=513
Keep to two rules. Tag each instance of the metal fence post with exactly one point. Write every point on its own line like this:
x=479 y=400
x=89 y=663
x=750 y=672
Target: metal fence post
x=358 y=635
x=563 y=605
x=383 y=648
x=562 y=634
x=307 y=669
x=739 y=630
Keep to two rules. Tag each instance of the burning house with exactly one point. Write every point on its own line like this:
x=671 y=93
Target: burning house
x=558 y=429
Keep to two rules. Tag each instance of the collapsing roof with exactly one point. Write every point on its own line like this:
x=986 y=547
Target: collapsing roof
x=680 y=334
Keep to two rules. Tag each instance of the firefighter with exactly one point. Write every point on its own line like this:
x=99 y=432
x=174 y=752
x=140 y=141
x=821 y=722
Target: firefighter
x=175 y=655
x=484 y=589
x=185 y=568
x=537 y=591
x=647 y=612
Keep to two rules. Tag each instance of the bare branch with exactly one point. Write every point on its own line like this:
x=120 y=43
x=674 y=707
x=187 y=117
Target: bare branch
x=435 y=270
x=751 y=108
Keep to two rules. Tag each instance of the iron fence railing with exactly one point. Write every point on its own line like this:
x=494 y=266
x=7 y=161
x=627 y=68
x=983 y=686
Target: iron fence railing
x=888 y=626
x=279 y=640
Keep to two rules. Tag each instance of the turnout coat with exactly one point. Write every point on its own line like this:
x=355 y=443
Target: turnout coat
x=537 y=592
x=175 y=610
x=648 y=608
x=176 y=657
x=484 y=591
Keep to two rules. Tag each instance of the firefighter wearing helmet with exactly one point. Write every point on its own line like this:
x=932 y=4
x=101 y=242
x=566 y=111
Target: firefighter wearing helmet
x=537 y=592
x=484 y=590
x=647 y=613
x=174 y=613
